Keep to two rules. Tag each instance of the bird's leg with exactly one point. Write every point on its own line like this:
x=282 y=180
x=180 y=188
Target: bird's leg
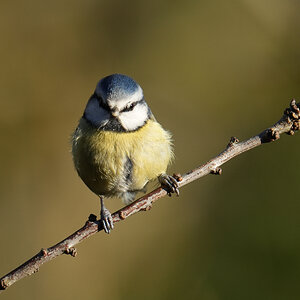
x=105 y=217
x=169 y=183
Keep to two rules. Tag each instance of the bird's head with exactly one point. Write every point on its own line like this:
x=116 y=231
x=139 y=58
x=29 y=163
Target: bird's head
x=117 y=104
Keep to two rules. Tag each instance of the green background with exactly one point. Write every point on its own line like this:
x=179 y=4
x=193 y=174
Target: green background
x=210 y=70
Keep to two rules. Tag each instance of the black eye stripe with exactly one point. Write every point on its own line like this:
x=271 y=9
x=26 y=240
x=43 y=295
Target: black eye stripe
x=132 y=106
x=105 y=106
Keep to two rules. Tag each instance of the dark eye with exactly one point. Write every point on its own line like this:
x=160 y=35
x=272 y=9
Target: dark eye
x=130 y=107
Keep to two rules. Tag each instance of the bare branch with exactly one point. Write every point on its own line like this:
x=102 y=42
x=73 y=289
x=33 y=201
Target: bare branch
x=289 y=123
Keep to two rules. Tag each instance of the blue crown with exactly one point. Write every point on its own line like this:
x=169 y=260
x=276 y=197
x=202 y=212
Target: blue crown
x=116 y=86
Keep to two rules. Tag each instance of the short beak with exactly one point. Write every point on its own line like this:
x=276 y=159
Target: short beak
x=115 y=112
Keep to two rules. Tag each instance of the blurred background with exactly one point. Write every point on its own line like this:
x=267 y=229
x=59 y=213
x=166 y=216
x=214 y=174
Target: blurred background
x=210 y=70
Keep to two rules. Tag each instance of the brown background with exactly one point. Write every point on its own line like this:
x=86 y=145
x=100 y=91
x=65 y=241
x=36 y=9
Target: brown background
x=209 y=70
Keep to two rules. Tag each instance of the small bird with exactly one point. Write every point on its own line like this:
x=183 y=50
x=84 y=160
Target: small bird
x=118 y=146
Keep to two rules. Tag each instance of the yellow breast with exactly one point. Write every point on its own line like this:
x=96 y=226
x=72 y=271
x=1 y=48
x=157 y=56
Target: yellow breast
x=112 y=163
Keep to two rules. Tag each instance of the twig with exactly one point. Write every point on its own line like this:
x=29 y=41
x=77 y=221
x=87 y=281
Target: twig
x=289 y=123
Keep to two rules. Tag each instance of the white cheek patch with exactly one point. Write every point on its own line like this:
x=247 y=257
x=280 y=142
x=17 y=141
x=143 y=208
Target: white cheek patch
x=132 y=120
x=95 y=114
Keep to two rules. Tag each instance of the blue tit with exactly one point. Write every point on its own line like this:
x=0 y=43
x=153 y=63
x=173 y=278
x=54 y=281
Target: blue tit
x=118 y=146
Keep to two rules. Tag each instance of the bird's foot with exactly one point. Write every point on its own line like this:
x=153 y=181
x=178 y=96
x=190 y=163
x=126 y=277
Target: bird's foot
x=169 y=183
x=106 y=220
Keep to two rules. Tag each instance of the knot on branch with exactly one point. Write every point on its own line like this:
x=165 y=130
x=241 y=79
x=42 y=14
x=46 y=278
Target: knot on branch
x=44 y=252
x=147 y=208
x=3 y=285
x=233 y=141
x=216 y=171
x=122 y=215
x=292 y=115
x=92 y=218
x=71 y=251
x=178 y=177
x=270 y=135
